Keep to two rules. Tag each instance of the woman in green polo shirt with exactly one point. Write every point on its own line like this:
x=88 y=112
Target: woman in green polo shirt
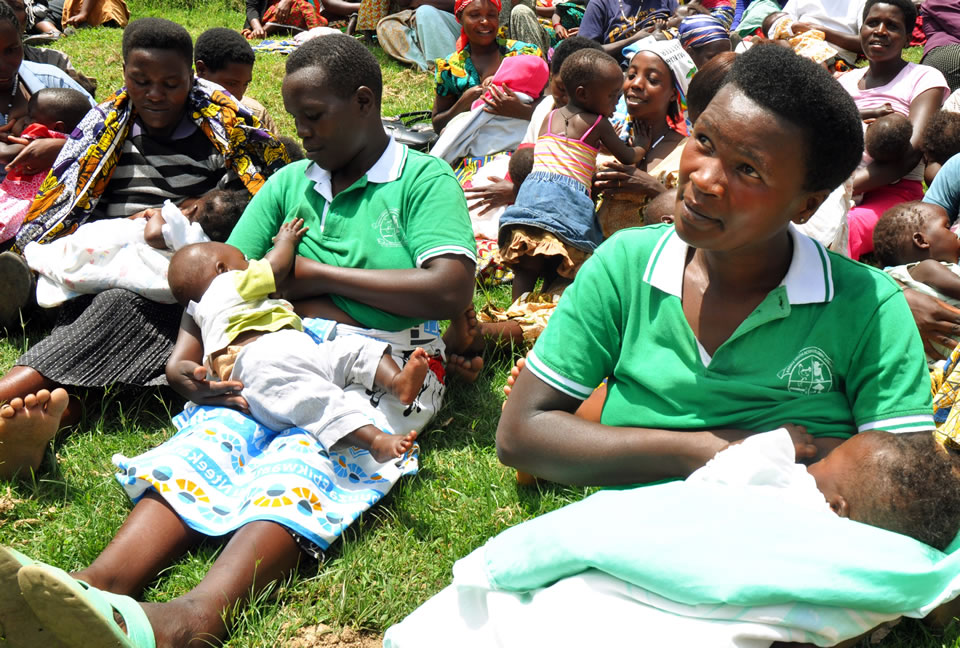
x=731 y=323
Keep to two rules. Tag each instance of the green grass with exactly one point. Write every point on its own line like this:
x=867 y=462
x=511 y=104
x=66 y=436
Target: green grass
x=391 y=560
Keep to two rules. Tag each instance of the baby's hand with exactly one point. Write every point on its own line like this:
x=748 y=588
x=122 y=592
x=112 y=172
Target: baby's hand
x=871 y=114
x=292 y=231
x=802 y=441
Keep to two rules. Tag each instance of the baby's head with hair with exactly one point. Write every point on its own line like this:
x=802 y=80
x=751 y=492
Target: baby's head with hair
x=912 y=232
x=941 y=139
x=560 y=54
x=59 y=109
x=660 y=209
x=905 y=483
x=888 y=138
x=769 y=21
x=217 y=211
x=521 y=164
x=593 y=81
x=194 y=266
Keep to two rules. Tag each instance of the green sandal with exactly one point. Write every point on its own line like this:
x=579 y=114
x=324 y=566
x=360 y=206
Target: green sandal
x=80 y=615
x=19 y=626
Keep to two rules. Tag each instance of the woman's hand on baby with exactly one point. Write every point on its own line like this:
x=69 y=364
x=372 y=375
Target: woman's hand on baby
x=622 y=177
x=504 y=102
x=499 y=193
x=803 y=443
x=191 y=382
x=937 y=322
x=38 y=155
x=292 y=231
x=467 y=98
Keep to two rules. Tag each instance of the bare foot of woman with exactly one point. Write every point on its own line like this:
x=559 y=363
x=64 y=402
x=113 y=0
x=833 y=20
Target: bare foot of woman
x=26 y=427
x=407 y=384
x=390 y=446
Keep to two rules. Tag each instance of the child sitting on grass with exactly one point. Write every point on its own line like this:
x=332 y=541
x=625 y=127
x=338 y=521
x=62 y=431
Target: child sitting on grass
x=225 y=57
x=551 y=228
x=51 y=113
x=132 y=253
x=287 y=380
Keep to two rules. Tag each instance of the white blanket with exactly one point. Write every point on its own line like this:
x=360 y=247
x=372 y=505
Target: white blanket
x=109 y=254
x=478 y=133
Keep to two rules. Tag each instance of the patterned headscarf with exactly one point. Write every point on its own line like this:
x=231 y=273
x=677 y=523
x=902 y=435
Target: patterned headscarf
x=700 y=30
x=458 y=8
x=83 y=169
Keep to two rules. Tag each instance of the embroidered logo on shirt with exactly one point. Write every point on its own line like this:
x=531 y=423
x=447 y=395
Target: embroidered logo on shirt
x=388 y=224
x=811 y=372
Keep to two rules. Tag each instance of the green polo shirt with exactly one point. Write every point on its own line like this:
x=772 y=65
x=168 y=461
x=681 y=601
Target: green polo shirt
x=834 y=347
x=408 y=208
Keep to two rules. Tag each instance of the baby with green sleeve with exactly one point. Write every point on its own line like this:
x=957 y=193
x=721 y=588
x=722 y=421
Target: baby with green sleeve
x=288 y=379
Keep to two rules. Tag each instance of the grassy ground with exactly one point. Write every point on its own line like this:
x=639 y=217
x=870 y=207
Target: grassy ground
x=391 y=560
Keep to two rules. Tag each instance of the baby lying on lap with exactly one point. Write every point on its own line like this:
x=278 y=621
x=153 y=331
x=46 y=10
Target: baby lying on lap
x=288 y=381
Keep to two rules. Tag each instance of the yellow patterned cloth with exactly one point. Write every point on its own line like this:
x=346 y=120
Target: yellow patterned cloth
x=531 y=311
x=83 y=169
x=945 y=387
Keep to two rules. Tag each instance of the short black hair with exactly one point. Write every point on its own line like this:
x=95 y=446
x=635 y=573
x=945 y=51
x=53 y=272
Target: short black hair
x=771 y=18
x=345 y=62
x=941 y=140
x=69 y=105
x=906 y=7
x=7 y=14
x=893 y=234
x=224 y=208
x=707 y=82
x=805 y=94
x=521 y=164
x=582 y=67
x=915 y=487
x=567 y=47
x=218 y=47
x=157 y=34
x=888 y=138
x=662 y=205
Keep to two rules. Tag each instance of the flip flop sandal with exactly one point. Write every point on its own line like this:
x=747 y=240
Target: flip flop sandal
x=16 y=284
x=19 y=626
x=82 y=616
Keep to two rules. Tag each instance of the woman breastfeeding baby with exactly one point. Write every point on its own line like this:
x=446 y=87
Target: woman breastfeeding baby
x=728 y=324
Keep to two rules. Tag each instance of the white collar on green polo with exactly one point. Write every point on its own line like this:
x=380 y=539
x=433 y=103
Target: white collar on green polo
x=809 y=280
x=386 y=169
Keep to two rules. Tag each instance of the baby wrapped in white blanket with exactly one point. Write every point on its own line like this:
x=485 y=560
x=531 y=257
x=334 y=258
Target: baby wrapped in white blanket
x=131 y=253
x=749 y=550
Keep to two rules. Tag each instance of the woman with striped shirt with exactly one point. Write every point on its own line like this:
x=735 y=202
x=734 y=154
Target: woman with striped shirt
x=164 y=136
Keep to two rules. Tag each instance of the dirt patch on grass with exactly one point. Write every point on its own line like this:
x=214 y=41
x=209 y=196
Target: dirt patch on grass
x=323 y=636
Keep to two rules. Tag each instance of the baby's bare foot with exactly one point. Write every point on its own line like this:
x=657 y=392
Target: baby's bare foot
x=390 y=446
x=512 y=378
x=407 y=384
x=468 y=369
x=26 y=427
